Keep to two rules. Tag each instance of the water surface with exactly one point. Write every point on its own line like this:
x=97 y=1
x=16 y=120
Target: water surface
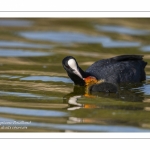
x=71 y=37
x=36 y=95
x=122 y=30
x=15 y=22
x=16 y=44
x=47 y=78
x=21 y=53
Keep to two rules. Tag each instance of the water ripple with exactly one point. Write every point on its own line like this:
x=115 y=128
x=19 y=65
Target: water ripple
x=4 y=93
x=85 y=127
x=72 y=37
x=22 y=44
x=15 y=23
x=47 y=78
x=21 y=53
x=32 y=112
x=121 y=29
x=145 y=48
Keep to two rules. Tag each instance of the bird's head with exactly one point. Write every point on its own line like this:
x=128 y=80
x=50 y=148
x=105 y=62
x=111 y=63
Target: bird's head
x=73 y=70
x=76 y=73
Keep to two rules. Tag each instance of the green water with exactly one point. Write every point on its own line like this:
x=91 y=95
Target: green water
x=36 y=94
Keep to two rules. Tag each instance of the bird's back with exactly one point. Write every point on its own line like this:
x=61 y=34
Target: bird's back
x=120 y=69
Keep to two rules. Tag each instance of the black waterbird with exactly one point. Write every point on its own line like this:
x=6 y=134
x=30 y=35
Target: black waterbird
x=112 y=71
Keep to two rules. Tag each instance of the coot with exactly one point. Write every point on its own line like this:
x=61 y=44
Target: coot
x=115 y=70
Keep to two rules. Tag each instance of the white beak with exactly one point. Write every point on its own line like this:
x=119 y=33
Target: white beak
x=73 y=65
x=76 y=71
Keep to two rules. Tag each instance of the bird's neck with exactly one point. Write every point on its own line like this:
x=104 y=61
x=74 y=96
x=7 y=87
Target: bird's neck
x=76 y=79
x=83 y=73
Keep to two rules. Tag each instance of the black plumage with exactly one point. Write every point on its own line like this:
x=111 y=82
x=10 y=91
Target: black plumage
x=103 y=87
x=115 y=70
x=119 y=69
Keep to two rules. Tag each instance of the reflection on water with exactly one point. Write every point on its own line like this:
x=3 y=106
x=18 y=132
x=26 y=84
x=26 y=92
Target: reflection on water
x=3 y=93
x=145 y=48
x=123 y=30
x=15 y=23
x=71 y=37
x=22 y=45
x=72 y=101
x=35 y=88
x=21 y=53
x=71 y=127
x=100 y=128
x=145 y=89
x=32 y=112
x=47 y=78
x=9 y=76
x=27 y=95
x=124 y=95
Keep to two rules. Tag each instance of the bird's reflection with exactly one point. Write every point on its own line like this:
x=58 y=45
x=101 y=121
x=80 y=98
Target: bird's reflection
x=72 y=98
x=129 y=93
x=125 y=93
x=73 y=102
